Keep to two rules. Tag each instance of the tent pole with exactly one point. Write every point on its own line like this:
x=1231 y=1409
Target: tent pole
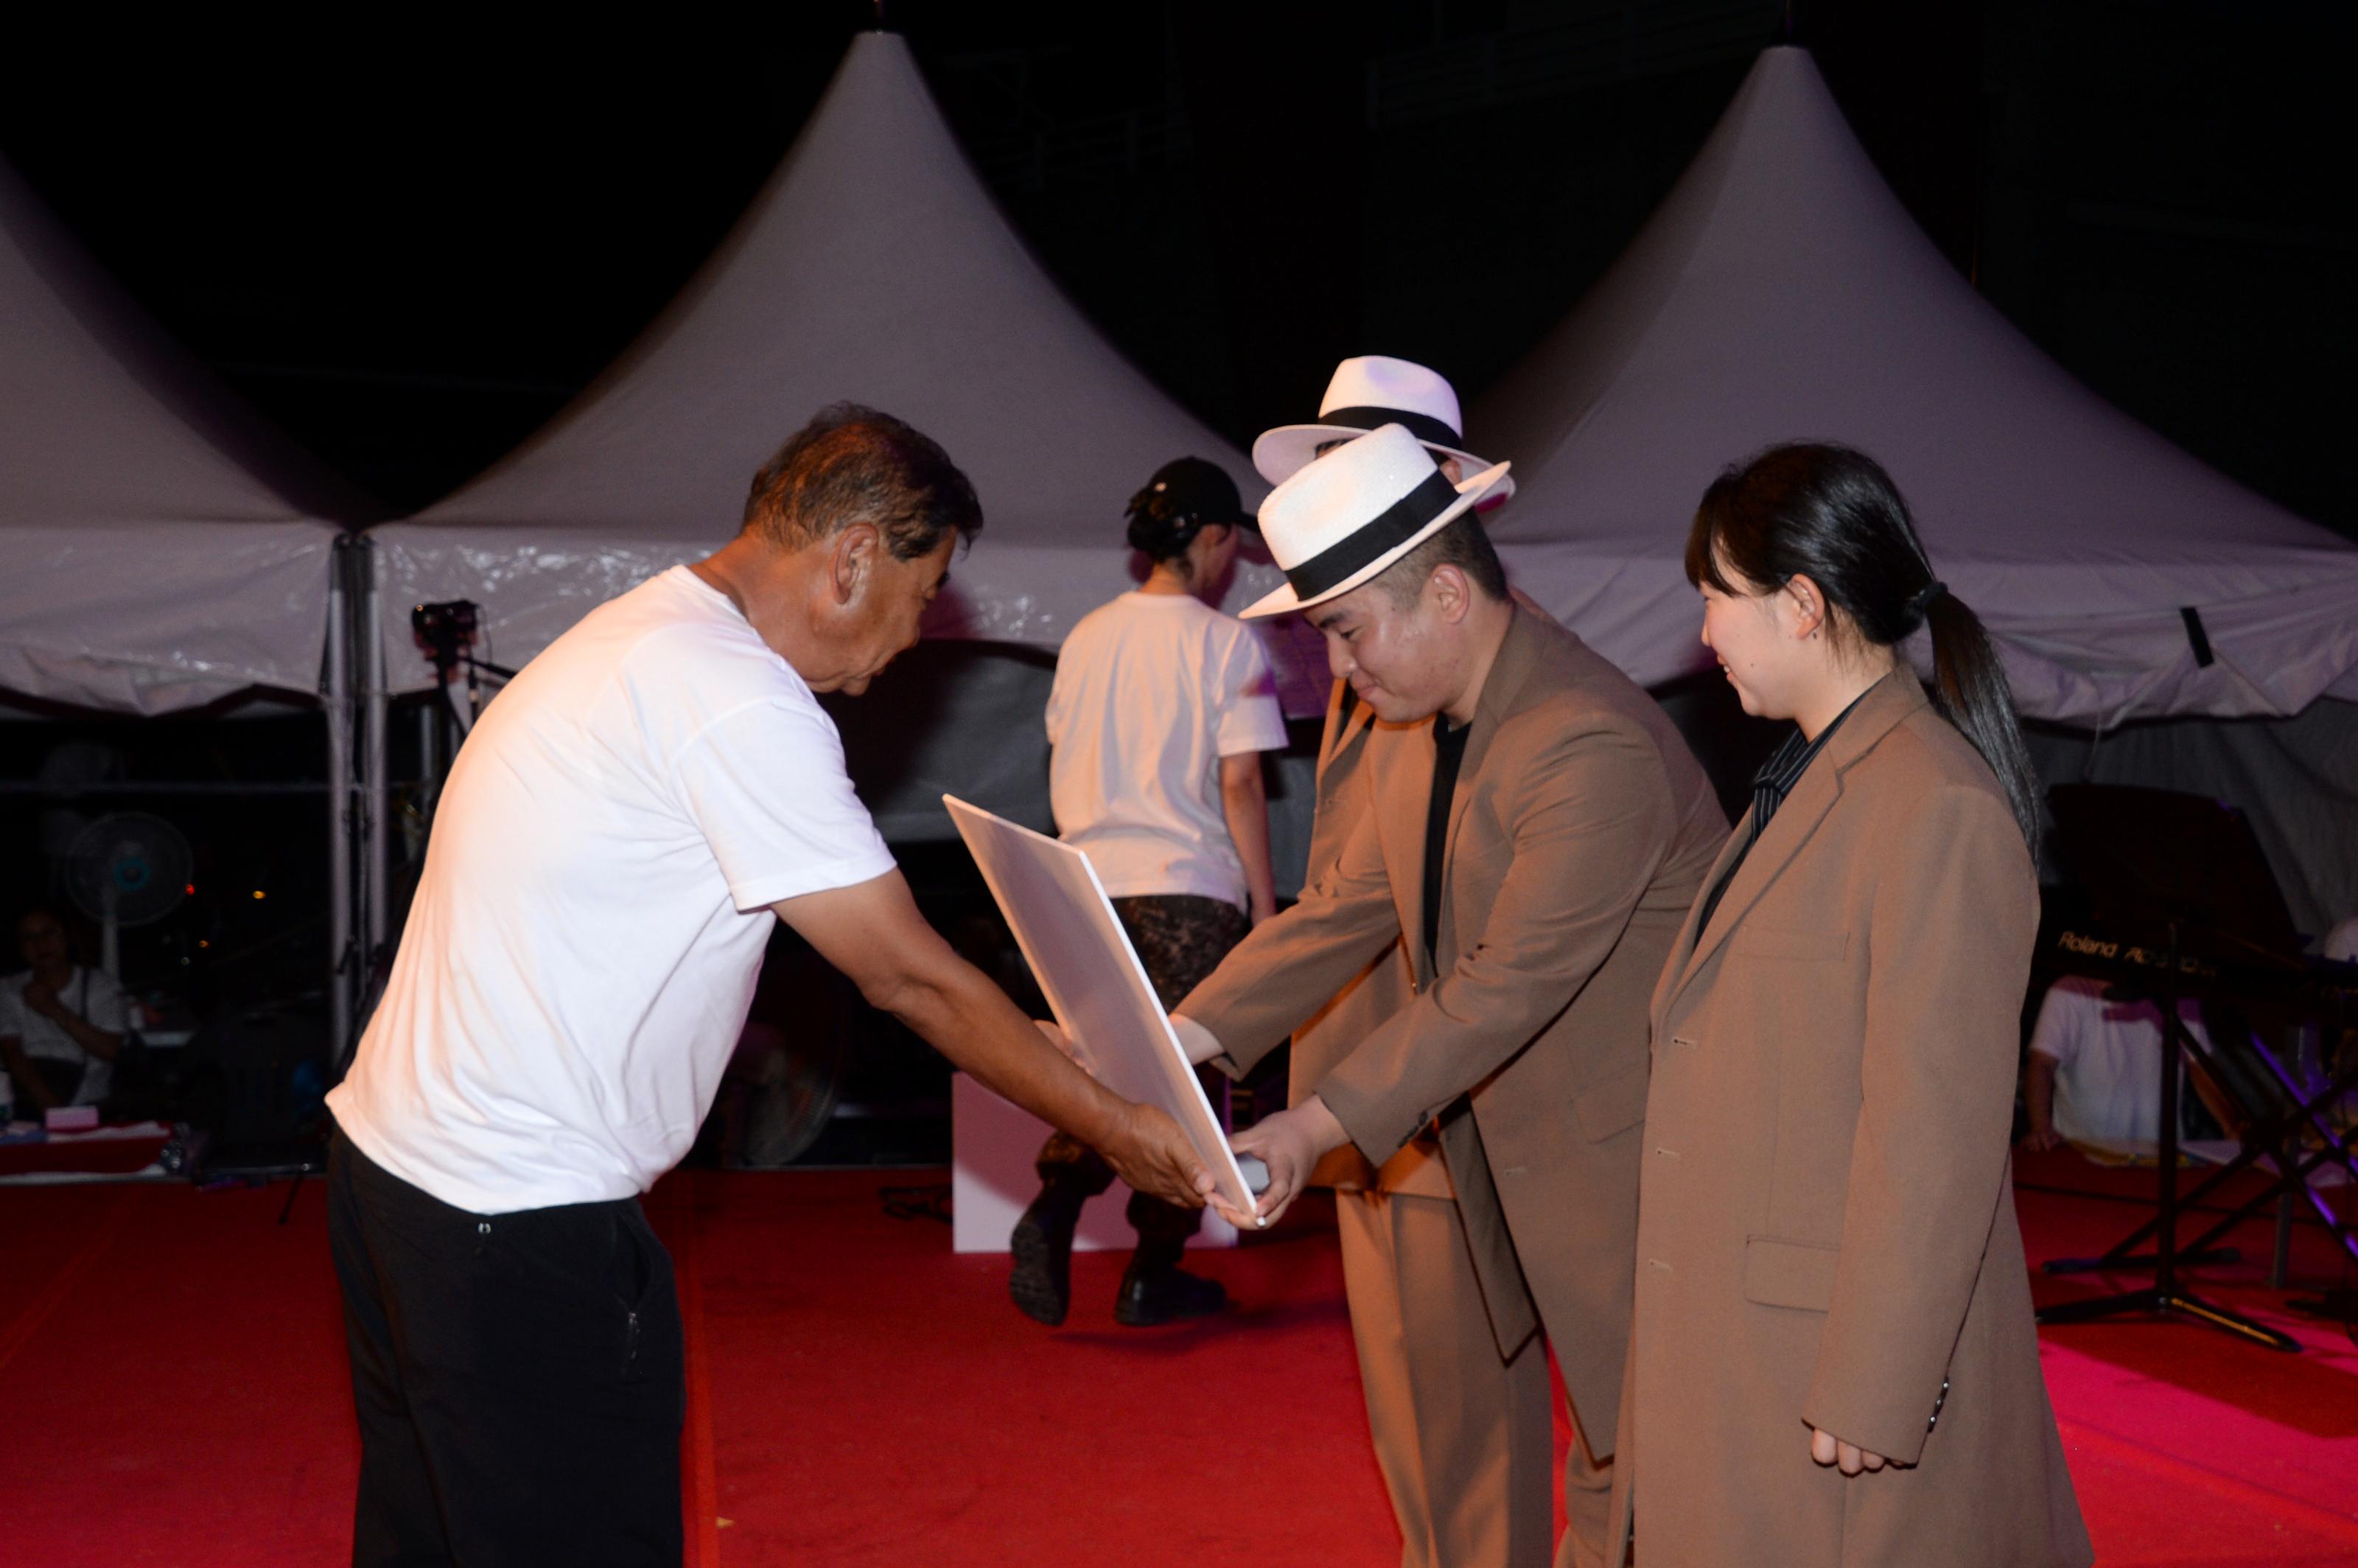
x=337 y=693
x=379 y=793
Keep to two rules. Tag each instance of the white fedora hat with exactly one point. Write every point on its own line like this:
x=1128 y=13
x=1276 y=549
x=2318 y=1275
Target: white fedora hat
x=1339 y=523
x=1367 y=392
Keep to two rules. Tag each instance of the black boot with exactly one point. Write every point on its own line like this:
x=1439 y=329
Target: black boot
x=1155 y=1289
x=1040 y=1285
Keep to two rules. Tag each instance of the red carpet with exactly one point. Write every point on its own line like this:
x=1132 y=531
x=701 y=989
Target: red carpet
x=860 y=1396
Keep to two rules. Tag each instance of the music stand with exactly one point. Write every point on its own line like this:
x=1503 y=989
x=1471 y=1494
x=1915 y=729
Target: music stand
x=2179 y=881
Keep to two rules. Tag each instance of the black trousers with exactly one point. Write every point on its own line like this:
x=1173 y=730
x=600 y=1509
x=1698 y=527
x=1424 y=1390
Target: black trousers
x=520 y=1377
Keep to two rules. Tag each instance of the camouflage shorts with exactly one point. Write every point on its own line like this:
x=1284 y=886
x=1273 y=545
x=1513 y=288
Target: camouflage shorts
x=1181 y=938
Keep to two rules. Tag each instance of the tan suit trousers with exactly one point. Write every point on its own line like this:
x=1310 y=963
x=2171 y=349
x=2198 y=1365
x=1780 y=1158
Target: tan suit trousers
x=1465 y=1442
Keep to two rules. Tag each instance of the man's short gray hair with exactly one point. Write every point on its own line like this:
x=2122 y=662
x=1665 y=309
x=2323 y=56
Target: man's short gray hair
x=855 y=464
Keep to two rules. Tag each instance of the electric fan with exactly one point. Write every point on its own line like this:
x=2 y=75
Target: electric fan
x=127 y=869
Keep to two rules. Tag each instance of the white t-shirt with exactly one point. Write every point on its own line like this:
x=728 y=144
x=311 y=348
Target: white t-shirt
x=1151 y=691
x=2108 y=1059
x=93 y=994
x=583 y=947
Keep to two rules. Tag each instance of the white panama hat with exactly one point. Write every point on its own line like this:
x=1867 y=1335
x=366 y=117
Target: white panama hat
x=1338 y=522
x=1367 y=392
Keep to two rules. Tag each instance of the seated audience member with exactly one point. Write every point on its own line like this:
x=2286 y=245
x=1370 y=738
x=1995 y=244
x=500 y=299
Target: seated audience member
x=60 y=1022
x=2094 y=1070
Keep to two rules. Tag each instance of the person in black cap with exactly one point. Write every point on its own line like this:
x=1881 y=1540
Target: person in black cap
x=1161 y=709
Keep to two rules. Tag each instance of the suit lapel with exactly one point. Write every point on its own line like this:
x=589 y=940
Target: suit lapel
x=1403 y=787
x=1813 y=795
x=1879 y=713
x=1517 y=656
x=1674 y=972
x=1342 y=733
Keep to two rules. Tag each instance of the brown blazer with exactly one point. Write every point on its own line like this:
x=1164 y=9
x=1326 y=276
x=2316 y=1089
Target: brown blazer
x=1578 y=835
x=1826 y=1231
x=1383 y=989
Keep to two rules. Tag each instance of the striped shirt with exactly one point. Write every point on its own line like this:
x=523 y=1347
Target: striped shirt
x=1770 y=785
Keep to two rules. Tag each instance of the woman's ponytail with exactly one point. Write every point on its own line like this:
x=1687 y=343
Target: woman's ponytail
x=1158 y=528
x=1969 y=689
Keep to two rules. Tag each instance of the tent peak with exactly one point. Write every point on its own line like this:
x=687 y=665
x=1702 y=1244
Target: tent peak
x=1781 y=291
x=872 y=267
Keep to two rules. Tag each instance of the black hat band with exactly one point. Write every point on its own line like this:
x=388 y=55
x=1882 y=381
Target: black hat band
x=1388 y=530
x=1423 y=426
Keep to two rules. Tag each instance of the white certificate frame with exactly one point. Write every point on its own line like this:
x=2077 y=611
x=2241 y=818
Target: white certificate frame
x=1094 y=980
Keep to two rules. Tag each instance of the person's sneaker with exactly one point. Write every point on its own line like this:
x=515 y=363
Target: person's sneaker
x=1152 y=1296
x=1040 y=1285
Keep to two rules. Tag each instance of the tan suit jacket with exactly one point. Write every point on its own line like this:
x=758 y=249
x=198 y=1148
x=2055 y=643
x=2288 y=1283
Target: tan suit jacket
x=1579 y=832
x=1826 y=1232
x=1383 y=989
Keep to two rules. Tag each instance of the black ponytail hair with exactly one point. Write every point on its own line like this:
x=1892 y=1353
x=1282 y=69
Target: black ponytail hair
x=1831 y=515
x=1162 y=525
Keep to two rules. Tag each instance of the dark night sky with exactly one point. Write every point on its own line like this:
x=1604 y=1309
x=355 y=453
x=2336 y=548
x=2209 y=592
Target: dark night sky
x=411 y=248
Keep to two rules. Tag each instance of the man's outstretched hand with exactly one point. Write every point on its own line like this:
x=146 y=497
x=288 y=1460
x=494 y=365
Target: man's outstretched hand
x=874 y=934
x=1291 y=1144
x=1148 y=1150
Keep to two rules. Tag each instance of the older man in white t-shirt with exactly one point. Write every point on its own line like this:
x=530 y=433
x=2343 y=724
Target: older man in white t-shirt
x=612 y=845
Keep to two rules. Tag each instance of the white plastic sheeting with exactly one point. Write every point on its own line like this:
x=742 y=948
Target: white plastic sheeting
x=151 y=564
x=1782 y=293
x=871 y=268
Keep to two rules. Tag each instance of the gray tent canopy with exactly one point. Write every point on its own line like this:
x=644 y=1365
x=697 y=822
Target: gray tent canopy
x=166 y=549
x=1782 y=293
x=163 y=555
x=871 y=268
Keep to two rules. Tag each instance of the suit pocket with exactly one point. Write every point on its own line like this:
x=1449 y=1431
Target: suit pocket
x=1789 y=1273
x=1789 y=942
x=1614 y=1105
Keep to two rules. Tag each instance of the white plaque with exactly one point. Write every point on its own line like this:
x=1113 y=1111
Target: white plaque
x=1093 y=979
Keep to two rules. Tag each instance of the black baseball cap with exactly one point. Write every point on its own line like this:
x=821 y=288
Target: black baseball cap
x=1198 y=489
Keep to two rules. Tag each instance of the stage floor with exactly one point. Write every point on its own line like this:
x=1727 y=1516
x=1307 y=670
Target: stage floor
x=861 y=1395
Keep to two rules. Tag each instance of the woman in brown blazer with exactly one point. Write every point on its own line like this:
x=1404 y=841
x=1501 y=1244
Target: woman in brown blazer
x=1833 y=1359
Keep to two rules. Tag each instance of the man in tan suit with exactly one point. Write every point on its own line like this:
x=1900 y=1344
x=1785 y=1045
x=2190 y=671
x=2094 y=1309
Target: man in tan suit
x=1532 y=830
x=1462 y=1430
